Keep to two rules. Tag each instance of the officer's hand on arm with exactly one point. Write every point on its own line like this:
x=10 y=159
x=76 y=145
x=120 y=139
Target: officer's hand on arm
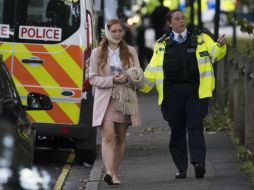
x=221 y=40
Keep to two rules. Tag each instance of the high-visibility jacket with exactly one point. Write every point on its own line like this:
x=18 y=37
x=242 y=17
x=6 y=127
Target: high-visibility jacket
x=151 y=5
x=171 y=4
x=228 y=5
x=207 y=53
x=187 y=14
x=187 y=11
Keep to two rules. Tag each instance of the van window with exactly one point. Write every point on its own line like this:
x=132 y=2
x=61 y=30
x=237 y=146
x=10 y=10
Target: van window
x=6 y=19
x=40 y=21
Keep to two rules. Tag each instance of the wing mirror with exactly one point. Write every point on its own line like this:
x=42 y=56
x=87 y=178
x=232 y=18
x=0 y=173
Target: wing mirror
x=36 y=101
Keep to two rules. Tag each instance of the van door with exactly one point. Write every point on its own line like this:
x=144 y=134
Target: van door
x=48 y=56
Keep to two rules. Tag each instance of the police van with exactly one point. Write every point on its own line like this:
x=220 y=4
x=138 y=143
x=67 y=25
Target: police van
x=208 y=9
x=46 y=45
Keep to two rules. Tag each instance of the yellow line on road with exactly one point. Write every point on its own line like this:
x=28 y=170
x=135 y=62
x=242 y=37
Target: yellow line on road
x=64 y=172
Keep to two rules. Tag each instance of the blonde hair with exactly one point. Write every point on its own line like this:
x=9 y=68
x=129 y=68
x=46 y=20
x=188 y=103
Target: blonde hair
x=125 y=54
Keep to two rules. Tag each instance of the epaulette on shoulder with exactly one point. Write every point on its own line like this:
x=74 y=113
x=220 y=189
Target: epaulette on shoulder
x=205 y=30
x=208 y=32
x=194 y=30
x=198 y=31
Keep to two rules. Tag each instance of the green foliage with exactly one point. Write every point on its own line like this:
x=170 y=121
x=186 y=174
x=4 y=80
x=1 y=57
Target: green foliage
x=246 y=2
x=249 y=168
x=245 y=25
x=246 y=156
x=245 y=46
x=250 y=49
x=243 y=154
x=236 y=141
x=218 y=119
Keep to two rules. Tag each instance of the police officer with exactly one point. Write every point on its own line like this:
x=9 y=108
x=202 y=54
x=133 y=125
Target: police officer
x=182 y=70
x=158 y=18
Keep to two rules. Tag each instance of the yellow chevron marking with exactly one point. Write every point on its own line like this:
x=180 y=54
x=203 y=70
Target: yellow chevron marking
x=6 y=55
x=38 y=72
x=35 y=115
x=72 y=68
x=6 y=46
x=41 y=116
x=82 y=47
x=70 y=109
x=6 y=50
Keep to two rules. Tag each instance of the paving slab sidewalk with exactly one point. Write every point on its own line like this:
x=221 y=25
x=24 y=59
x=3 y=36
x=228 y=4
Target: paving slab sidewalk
x=149 y=166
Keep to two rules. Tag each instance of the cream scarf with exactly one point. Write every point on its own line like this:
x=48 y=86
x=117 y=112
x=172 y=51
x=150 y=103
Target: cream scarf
x=125 y=96
x=109 y=37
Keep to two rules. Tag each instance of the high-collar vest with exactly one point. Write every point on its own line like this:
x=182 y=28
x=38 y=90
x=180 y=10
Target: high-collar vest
x=180 y=63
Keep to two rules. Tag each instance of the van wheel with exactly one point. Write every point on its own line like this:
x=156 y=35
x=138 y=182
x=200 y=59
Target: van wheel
x=83 y=155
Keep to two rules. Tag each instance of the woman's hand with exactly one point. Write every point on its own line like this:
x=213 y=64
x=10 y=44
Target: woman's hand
x=119 y=79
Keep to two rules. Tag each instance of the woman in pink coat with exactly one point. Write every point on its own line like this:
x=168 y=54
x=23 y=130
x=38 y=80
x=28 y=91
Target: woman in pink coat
x=107 y=70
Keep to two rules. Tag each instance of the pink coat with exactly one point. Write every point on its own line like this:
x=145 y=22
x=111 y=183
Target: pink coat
x=103 y=84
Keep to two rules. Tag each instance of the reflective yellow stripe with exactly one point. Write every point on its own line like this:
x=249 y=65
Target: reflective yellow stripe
x=72 y=68
x=204 y=65
x=159 y=81
x=154 y=69
x=146 y=81
x=204 y=60
x=206 y=74
x=213 y=54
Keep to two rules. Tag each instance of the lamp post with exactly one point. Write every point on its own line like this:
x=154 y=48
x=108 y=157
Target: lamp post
x=217 y=20
x=200 y=23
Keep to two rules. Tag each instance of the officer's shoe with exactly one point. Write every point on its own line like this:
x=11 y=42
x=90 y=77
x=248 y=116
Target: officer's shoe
x=180 y=175
x=199 y=171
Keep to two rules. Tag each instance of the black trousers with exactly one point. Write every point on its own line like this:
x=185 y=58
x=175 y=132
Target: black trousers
x=185 y=112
